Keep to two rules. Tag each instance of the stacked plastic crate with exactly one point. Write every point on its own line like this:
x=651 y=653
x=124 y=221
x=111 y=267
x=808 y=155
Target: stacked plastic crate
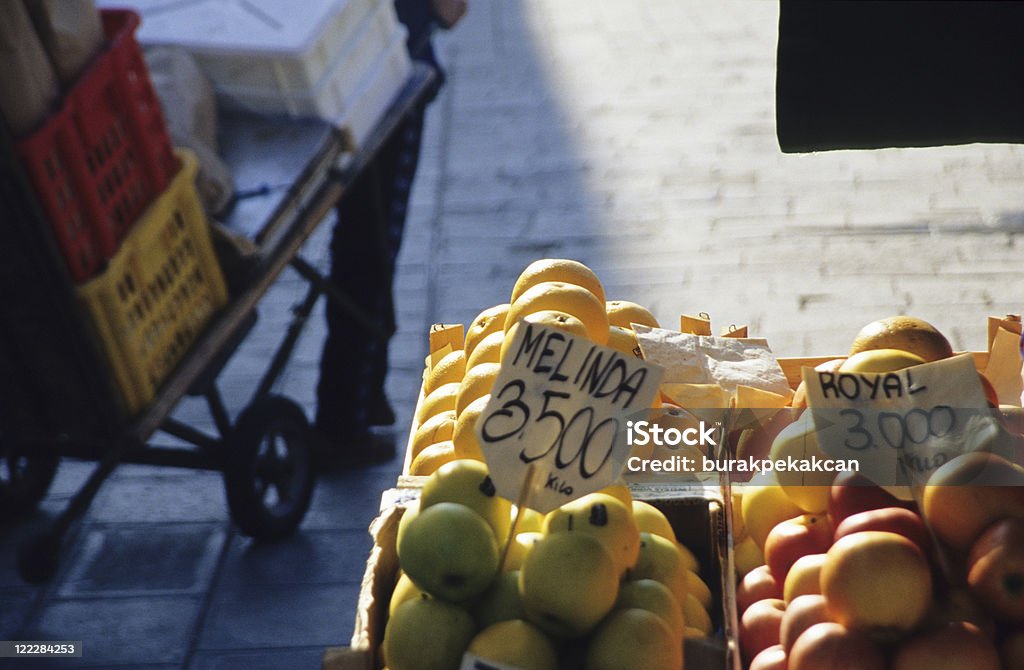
x=340 y=60
x=123 y=207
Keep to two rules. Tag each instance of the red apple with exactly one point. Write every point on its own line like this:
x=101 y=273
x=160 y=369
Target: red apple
x=970 y=493
x=772 y=658
x=758 y=584
x=794 y=538
x=877 y=582
x=995 y=570
x=801 y=614
x=899 y=520
x=759 y=626
x=852 y=493
x=804 y=577
x=956 y=646
x=830 y=646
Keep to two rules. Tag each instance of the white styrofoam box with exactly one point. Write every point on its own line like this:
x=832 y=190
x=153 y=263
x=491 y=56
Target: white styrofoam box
x=278 y=45
x=376 y=92
x=331 y=94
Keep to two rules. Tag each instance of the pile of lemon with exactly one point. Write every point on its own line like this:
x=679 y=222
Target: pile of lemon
x=556 y=293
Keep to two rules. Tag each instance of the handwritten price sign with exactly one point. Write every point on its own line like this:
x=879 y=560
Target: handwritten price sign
x=560 y=404
x=901 y=426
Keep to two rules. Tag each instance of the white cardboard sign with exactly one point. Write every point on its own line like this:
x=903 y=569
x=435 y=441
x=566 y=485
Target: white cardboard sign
x=560 y=404
x=901 y=426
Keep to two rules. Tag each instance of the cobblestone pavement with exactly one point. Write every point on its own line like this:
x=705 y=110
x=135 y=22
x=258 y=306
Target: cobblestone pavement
x=636 y=137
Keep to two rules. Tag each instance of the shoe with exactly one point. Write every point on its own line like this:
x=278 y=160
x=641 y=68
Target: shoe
x=354 y=450
x=381 y=413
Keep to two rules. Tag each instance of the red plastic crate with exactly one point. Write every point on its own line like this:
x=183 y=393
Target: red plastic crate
x=100 y=160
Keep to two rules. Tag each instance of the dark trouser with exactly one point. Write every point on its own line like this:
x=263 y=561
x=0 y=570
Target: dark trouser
x=364 y=248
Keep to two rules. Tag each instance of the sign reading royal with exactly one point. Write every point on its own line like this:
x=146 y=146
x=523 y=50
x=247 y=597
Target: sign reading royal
x=560 y=405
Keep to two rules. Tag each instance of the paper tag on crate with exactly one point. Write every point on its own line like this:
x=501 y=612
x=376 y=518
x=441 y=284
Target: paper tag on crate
x=561 y=404
x=1004 y=369
x=901 y=426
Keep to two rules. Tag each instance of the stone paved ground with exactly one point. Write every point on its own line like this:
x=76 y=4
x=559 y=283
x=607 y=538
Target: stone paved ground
x=637 y=137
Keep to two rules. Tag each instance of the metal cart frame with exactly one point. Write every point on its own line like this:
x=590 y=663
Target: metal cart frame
x=265 y=455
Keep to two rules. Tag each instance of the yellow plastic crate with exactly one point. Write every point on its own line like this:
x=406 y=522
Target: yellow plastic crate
x=158 y=291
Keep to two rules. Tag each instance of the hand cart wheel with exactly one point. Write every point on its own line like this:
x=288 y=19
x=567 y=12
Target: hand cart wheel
x=268 y=474
x=26 y=471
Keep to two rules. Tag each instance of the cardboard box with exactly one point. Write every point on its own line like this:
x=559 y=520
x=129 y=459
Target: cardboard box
x=697 y=516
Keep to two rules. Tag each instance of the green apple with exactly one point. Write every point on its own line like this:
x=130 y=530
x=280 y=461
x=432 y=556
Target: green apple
x=568 y=583
x=634 y=639
x=649 y=519
x=501 y=601
x=661 y=560
x=647 y=594
x=518 y=549
x=410 y=512
x=404 y=590
x=426 y=634
x=468 y=483
x=531 y=521
x=449 y=551
x=606 y=518
x=517 y=643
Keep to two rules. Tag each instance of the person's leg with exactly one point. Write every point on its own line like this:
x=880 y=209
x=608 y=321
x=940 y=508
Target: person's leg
x=343 y=389
x=400 y=164
x=364 y=250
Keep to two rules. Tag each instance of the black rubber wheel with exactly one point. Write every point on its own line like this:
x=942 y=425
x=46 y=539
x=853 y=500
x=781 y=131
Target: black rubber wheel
x=26 y=472
x=268 y=475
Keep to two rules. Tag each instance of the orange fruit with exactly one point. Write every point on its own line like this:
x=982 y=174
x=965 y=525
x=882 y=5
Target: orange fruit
x=440 y=399
x=449 y=369
x=431 y=458
x=622 y=313
x=464 y=437
x=903 y=332
x=486 y=322
x=880 y=360
x=557 y=269
x=488 y=350
x=569 y=298
x=437 y=428
x=546 y=317
x=475 y=384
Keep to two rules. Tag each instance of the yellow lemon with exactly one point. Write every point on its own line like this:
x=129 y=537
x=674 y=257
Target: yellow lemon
x=623 y=340
x=449 y=369
x=487 y=350
x=440 y=400
x=431 y=458
x=568 y=298
x=437 y=428
x=486 y=322
x=476 y=384
x=558 y=269
x=464 y=436
x=550 y=318
x=623 y=313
